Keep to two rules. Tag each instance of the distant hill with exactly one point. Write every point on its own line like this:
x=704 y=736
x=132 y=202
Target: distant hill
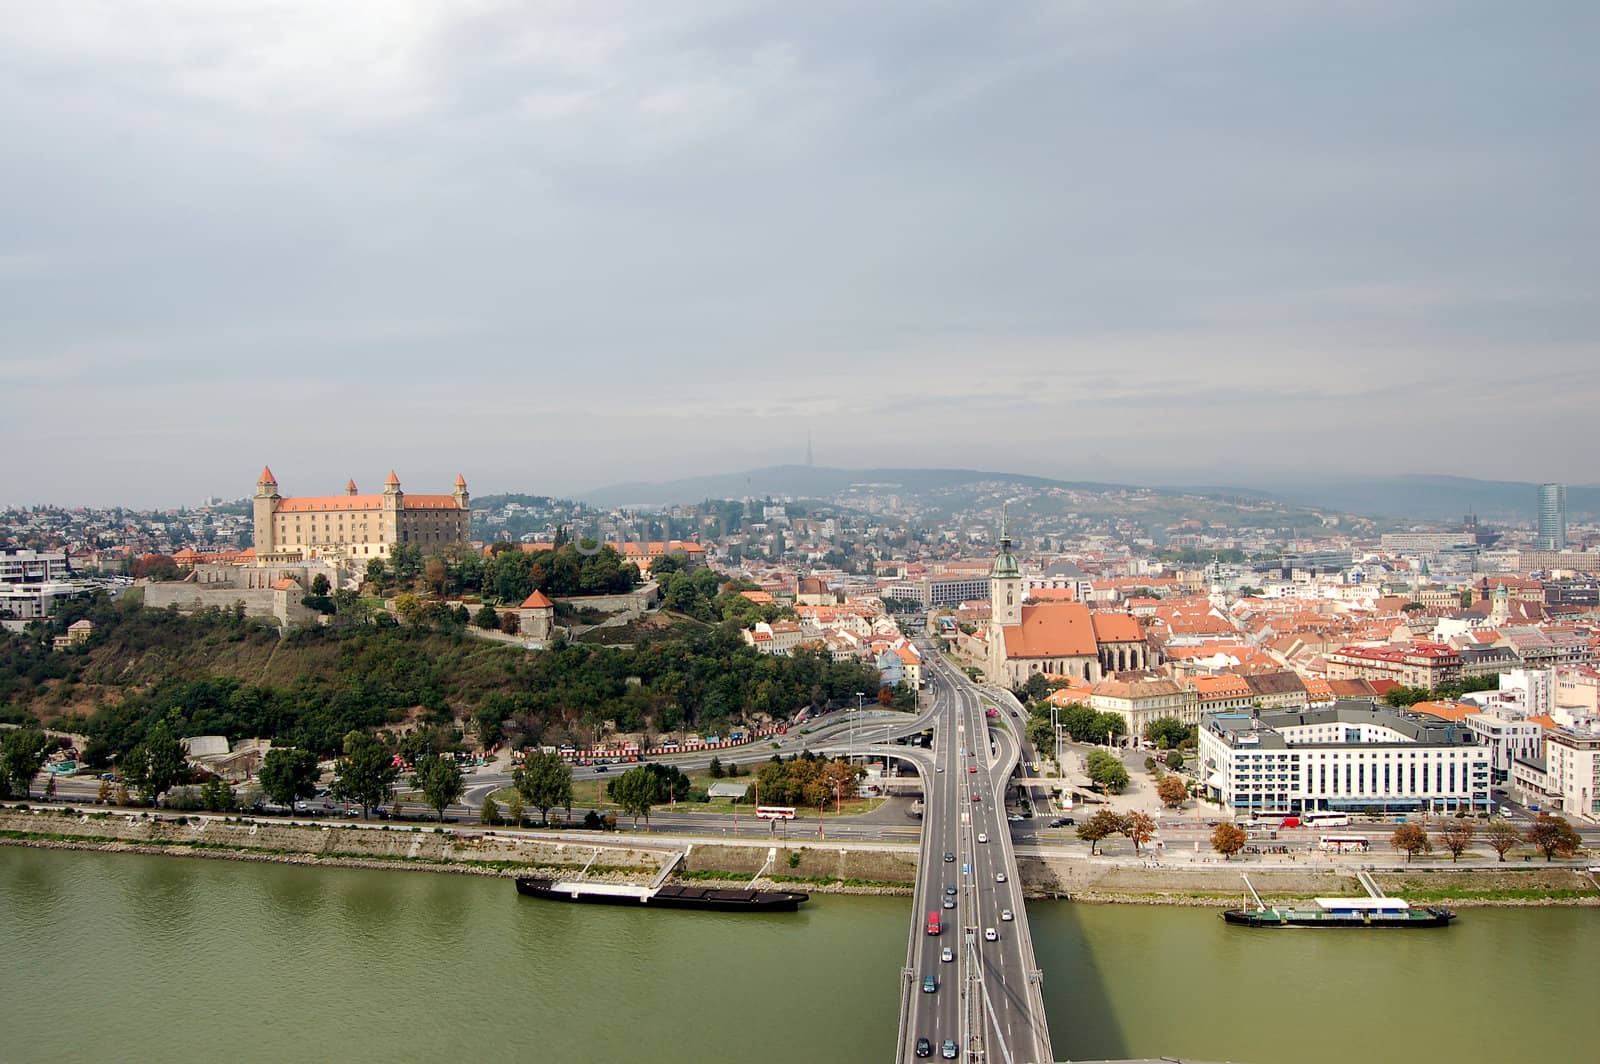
x=1435 y=498
x=808 y=482
x=1418 y=497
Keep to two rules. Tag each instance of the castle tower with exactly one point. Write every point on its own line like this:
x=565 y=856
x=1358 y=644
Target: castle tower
x=394 y=501
x=350 y=488
x=1005 y=583
x=265 y=505
x=461 y=497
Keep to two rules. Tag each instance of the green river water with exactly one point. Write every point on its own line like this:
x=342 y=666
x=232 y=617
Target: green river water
x=119 y=957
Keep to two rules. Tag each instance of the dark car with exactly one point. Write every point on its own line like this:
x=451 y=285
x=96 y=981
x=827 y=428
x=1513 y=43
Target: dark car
x=948 y=856
x=600 y=768
x=924 y=1048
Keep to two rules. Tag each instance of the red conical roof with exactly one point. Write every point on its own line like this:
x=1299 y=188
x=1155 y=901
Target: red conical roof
x=351 y=486
x=461 y=481
x=394 y=480
x=266 y=476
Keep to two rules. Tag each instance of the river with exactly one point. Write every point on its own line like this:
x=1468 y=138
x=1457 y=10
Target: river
x=123 y=957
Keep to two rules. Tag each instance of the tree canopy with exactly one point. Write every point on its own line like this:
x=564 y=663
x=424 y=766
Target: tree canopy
x=545 y=782
x=365 y=772
x=288 y=775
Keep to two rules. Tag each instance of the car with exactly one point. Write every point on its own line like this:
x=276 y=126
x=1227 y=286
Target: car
x=1016 y=818
x=948 y=1050
x=1006 y=915
x=929 y=984
x=947 y=955
x=951 y=889
x=976 y=797
x=948 y=856
x=983 y=836
x=949 y=903
x=924 y=1048
x=600 y=768
x=938 y=768
x=999 y=877
x=972 y=768
x=991 y=935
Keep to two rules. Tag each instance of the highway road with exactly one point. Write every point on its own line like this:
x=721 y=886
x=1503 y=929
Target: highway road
x=987 y=998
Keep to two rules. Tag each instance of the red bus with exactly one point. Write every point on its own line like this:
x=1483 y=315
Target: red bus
x=933 y=922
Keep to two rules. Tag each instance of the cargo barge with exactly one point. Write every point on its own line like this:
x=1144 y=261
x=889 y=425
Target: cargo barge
x=717 y=899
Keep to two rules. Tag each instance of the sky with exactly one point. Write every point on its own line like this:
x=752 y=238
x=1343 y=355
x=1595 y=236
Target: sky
x=554 y=246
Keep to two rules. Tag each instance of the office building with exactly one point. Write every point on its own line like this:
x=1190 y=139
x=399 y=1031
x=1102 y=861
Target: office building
x=1552 y=517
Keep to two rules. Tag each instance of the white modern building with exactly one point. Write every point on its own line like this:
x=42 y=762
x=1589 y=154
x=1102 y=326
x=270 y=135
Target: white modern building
x=1507 y=739
x=1348 y=757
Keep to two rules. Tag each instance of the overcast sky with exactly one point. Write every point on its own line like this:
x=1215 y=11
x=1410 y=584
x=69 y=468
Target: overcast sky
x=559 y=245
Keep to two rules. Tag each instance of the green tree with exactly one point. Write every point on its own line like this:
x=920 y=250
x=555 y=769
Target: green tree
x=514 y=810
x=377 y=572
x=320 y=585
x=288 y=775
x=1102 y=825
x=487 y=618
x=156 y=765
x=637 y=791
x=1040 y=734
x=1034 y=688
x=545 y=781
x=1107 y=772
x=1168 y=732
x=1501 y=835
x=365 y=772
x=439 y=779
x=1412 y=839
x=1456 y=836
x=1174 y=760
x=22 y=755
x=715 y=768
x=489 y=812
x=1553 y=836
x=1228 y=839
x=216 y=794
x=1172 y=792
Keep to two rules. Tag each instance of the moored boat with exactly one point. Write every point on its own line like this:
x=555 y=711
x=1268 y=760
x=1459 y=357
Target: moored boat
x=1375 y=910
x=717 y=899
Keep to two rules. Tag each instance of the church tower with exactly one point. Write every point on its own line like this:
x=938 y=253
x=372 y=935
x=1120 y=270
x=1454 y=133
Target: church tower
x=265 y=505
x=1005 y=583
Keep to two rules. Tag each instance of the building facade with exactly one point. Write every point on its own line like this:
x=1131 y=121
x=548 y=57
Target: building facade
x=1412 y=664
x=1349 y=757
x=353 y=528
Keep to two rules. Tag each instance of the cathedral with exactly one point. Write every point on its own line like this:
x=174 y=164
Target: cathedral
x=352 y=528
x=1058 y=638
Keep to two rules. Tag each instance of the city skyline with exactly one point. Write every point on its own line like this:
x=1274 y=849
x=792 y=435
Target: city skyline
x=1164 y=244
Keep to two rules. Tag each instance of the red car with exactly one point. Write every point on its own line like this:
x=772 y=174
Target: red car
x=972 y=768
x=976 y=797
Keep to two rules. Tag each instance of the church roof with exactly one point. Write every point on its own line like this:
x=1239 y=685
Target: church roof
x=1117 y=628
x=1050 y=630
x=537 y=601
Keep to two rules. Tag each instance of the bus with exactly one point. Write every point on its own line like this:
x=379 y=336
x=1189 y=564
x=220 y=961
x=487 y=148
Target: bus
x=1344 y=844
x=1325 y=820
x=933 y=922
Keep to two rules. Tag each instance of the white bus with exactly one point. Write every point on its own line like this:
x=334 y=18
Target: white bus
x=1325 y=820
x=1344 y=844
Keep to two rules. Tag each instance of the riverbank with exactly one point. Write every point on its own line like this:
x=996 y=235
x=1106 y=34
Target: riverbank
x=864 y=869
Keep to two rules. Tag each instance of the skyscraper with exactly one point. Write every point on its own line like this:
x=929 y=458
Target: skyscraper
x=1552 y=517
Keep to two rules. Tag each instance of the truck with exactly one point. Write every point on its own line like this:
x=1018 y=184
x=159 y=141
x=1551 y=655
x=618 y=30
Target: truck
x=933 y=922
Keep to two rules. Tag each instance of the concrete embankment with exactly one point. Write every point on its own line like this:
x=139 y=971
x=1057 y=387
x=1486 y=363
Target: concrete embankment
x=848 y=868
x=1211 y=885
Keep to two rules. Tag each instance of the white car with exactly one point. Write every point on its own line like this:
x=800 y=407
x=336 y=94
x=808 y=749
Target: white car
x=999 y=877
x=982 y=837
x=947 y=955
x=991 y=935
x=1006 y=915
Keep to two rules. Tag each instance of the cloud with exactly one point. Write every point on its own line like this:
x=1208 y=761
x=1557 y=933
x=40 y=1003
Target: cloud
x=681 y=235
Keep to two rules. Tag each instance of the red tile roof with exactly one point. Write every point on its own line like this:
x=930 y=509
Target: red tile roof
x=537 y=601
x=1052 y=629
x=1117 y=628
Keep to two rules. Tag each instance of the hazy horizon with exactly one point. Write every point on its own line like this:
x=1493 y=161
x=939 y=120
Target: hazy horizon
x=557 y=247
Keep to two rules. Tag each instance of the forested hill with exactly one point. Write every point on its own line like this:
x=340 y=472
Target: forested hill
x=221 y=673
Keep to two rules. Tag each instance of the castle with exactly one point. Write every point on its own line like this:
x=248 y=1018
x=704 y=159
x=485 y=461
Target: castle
x=352 y=528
